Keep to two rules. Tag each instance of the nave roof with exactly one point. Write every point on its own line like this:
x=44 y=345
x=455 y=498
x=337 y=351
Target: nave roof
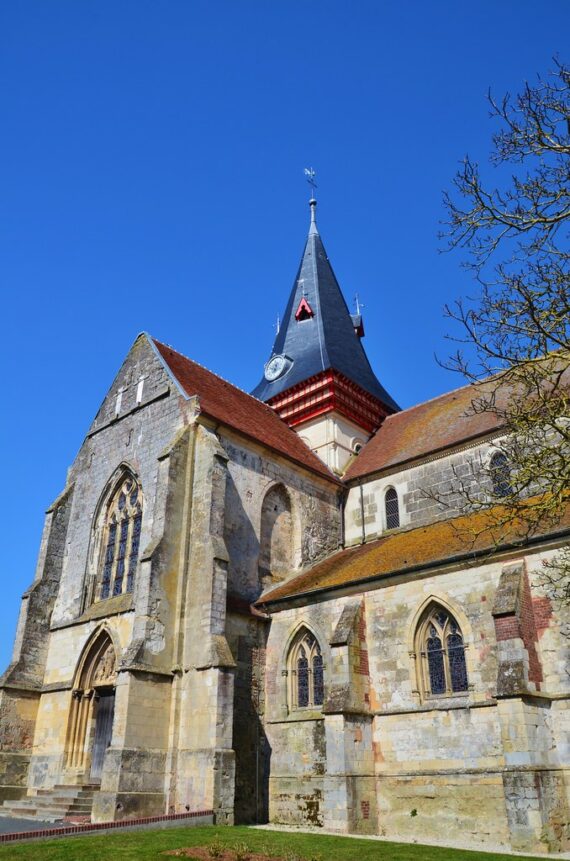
x=460 y=540
x=237 y=410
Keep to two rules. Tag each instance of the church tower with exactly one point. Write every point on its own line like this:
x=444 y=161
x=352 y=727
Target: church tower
x=318 y=377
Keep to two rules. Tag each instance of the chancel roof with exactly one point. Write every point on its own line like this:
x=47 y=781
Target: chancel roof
x=451 y=419
x=461 y=539
x=324 y=337
x=424 y=429
x=238 y=410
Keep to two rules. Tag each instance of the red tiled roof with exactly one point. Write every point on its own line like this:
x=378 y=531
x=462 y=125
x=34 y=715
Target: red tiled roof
x=422 y=547
x=450 y=419
x=437 y=424
x=240 y=411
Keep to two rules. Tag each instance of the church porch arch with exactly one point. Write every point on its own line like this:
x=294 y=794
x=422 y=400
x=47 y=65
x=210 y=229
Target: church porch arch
x=90 y=721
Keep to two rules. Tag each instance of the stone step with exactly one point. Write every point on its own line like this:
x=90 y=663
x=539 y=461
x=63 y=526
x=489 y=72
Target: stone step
x=64 y=800
x=67 y=791
x=30 y=813
x=53 y=805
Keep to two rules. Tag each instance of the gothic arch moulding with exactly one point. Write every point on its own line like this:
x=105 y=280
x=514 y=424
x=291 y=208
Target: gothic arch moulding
x=451 y=607
x=439 y=635
x=92 y=694
x=304 y=663
x=115 y=537
x=276 y=535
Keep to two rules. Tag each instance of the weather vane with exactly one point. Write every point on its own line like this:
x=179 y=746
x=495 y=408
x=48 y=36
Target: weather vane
x=358 y=303
x=311 y=174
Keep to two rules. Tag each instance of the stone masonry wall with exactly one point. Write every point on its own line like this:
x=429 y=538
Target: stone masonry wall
x=478 y=766
x=315 y=514
x=442 y=476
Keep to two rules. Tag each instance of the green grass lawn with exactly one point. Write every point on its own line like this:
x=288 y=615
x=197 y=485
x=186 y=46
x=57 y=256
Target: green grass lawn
x=147 y=845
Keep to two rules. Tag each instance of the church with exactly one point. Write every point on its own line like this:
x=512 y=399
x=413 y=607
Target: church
x=253 y=604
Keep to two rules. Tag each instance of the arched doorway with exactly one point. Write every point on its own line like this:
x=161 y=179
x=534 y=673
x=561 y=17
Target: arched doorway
x=91 y=714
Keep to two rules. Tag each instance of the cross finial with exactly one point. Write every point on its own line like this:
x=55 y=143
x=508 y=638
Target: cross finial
x=358 y=304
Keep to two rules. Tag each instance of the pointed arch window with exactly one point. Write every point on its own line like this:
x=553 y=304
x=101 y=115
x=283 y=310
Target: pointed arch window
x=441 y=652
x=392 y=509
x=122 y=533
x=306 y=673
x=500 y=471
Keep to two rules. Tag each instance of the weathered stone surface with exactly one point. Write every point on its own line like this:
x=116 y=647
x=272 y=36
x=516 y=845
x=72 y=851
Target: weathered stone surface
x=210 y=709
x=508 y=597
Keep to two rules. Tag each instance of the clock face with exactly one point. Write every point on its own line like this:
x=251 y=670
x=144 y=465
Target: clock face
x=275 y=367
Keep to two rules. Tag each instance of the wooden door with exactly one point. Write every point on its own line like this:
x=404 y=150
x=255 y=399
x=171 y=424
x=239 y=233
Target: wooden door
x=105 y=707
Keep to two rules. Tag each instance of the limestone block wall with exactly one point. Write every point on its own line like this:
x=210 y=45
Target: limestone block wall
x=484 y=765
x=334 y=438
x=315 y=513
x=49 y=741
x=365 y=517
x=21 y=684
x=247 y=637
x=298 y=739
x=18 y=710
x=133 y=779
x=124 y=432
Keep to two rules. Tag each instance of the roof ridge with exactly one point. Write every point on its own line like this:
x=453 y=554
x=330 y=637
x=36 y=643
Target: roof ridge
x=284 y=430
x=223 y=379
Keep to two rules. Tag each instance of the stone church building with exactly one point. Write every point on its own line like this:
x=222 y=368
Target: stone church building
x=253 y=604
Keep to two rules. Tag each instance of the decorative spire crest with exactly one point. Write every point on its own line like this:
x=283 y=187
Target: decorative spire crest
x=310 y=173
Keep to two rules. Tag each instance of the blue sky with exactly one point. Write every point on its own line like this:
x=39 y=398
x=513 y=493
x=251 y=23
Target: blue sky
x=151 y=175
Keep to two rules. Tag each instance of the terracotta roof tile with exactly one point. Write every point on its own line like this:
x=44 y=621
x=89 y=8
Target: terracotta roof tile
x=397 y=552
x=443 y=422
x=240 y=411
x=437 y=424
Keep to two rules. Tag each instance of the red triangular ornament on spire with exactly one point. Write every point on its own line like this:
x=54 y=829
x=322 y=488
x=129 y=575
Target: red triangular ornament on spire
x=304 y=311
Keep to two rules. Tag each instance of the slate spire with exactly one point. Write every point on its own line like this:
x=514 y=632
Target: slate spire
x=317 y=332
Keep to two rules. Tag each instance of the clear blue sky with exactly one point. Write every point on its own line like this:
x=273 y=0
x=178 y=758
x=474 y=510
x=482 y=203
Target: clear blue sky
x=151 y=175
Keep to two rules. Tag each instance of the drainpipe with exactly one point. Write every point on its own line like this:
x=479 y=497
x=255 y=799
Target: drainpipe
x=363 y=541
x=342 y=497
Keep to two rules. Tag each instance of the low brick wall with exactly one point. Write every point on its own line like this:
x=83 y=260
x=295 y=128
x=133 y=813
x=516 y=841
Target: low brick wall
x=200 y=817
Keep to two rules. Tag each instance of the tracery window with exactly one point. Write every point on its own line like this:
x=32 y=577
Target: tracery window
x=500 y=474
x=441 y=652
x=306 y=672
x=392 y=508
x=122 y=535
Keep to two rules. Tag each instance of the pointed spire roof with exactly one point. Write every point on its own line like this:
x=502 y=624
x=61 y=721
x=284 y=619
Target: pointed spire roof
x=324 y=339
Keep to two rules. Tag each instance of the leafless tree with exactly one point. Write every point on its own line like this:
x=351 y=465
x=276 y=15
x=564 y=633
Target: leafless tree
x=514 y=344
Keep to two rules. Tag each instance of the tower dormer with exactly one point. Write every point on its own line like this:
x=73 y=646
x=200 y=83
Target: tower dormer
x=318 y=377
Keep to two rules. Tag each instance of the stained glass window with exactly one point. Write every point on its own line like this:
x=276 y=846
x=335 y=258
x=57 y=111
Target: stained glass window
x=302 y=679
x=318 y=680
x=457 y=667
x=501 y=474
x=306 y=671
x=109 y=557
x=435 y=665
x=442 y=654
x=123 y=520
x=392 y=509
x=134 y=555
